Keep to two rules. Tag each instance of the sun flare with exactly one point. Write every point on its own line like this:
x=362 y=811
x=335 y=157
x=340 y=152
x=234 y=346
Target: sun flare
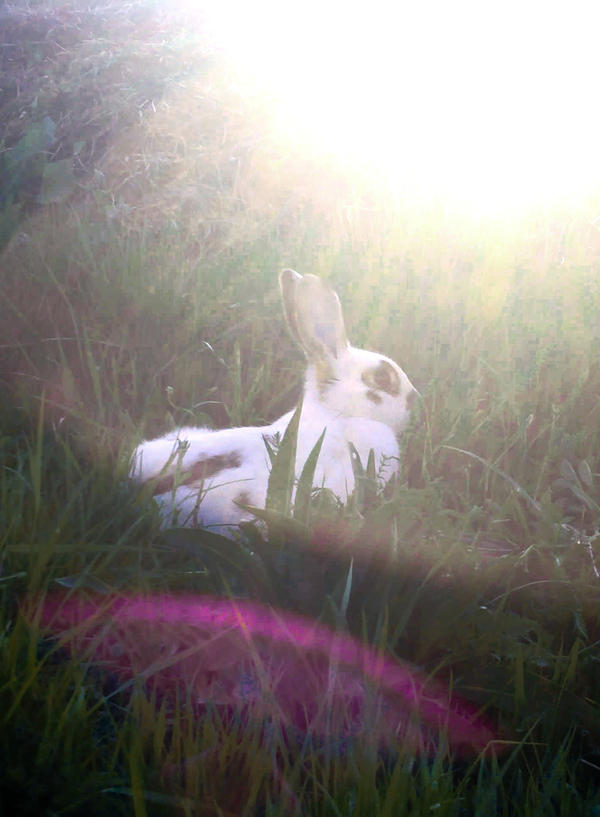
x=485 y=107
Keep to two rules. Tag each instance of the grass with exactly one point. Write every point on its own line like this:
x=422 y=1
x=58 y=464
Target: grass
x=143 y=297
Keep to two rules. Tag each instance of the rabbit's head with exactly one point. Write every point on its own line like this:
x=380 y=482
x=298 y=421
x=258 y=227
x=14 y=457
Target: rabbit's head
x=343 y=380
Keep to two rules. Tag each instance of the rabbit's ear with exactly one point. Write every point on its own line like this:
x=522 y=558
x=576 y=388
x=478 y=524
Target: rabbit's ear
x=314 y=315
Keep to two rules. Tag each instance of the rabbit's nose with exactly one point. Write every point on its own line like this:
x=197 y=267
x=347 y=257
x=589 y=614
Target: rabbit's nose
x=412 y=398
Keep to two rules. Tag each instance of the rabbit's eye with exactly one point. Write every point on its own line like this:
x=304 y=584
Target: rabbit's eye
x=383 y=377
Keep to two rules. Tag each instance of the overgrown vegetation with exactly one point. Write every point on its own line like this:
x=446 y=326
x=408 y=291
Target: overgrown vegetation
x=146 y=208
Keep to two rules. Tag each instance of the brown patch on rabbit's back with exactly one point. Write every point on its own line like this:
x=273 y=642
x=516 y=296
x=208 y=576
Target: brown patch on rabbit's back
x=200 y=470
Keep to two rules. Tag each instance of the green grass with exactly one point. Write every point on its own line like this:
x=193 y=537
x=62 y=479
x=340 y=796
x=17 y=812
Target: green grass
x=135 y=304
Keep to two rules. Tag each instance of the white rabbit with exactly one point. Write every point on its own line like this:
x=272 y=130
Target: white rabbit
x=359 y=397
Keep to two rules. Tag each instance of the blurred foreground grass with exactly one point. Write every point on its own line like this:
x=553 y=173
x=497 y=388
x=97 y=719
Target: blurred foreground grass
x=139 y=292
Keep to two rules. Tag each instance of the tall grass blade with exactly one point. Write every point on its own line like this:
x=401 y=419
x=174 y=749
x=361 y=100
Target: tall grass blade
x=36 y=459
x=306 y=481
x=281 y=478
x=494 y=468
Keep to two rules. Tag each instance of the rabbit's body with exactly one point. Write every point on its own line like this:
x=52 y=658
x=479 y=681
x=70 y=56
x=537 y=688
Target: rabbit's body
x=359 y=397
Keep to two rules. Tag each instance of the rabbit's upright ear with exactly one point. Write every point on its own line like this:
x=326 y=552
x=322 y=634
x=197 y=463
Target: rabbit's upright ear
x=314 y=315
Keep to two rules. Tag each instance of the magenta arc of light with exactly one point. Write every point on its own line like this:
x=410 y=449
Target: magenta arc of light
x=241 y=653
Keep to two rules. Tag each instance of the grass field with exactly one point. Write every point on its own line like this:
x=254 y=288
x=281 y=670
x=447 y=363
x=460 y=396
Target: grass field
x=147 y=208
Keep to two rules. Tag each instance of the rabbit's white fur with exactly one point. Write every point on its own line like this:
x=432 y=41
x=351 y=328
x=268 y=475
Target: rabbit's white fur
x=360 y=397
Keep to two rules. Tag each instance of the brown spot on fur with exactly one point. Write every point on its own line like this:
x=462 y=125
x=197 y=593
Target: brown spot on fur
x=243 y=498
x=382 y=378
x=200 y=470
x=373 y=397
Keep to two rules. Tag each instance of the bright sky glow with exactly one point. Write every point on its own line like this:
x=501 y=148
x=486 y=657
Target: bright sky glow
x=486 y=105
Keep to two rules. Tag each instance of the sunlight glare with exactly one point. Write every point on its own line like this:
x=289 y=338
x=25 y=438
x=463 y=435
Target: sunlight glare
x=486 y=106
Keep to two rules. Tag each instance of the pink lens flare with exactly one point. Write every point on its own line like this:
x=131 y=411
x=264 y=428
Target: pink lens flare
x=266 y=662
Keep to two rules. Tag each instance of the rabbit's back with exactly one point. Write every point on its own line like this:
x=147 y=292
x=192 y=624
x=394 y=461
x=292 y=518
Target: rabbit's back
x=199 y=475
